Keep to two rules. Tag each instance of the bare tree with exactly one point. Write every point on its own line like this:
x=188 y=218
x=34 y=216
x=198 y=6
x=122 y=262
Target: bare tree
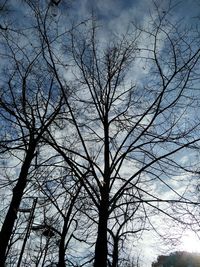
x=129 y=133
x=121 y=114
x=60 y=193
x=28 y=106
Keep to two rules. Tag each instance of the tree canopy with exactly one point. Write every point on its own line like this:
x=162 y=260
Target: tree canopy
x=94 y=132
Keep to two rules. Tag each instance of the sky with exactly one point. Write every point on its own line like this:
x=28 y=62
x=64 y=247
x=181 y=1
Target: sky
x=119 y=13
x=116 y=16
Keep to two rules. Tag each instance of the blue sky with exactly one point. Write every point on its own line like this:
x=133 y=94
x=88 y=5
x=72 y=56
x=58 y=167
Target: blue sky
x=116 y=15
x=108 y=10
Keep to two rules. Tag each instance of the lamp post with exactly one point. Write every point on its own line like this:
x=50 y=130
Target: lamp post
x=30 y=222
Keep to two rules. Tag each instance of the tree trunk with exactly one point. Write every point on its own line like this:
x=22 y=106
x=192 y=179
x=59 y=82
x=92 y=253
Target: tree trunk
x=61 y=261
x=115 y=253
x=101 y=249
x=62 y=247
x=8 y=224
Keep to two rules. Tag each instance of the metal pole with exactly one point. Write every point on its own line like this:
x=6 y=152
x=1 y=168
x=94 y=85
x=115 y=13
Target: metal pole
x=31 y=217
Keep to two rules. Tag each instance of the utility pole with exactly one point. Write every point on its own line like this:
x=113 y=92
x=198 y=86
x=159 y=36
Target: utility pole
x=31 y=218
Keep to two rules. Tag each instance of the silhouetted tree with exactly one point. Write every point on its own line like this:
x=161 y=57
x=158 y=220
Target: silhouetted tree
x=118 y=114
x=28 y=106
x=128 y=134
